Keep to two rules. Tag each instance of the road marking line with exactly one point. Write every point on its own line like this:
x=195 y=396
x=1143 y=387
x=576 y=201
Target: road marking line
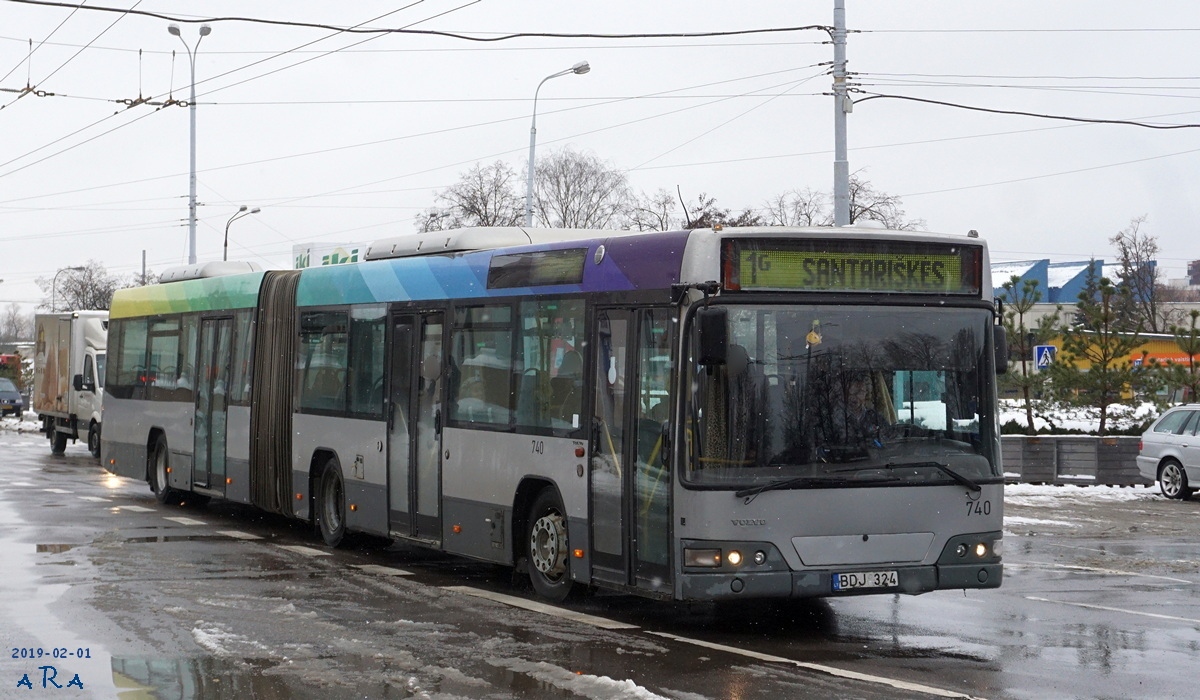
x=1114 y=572
x=186 y=521
x=20 y=483
x=95 y=499
x=306 y=551
x=534 y=606
x=380 y=570
x=135 y=509
x=831 y=670
x=57 y=491
x=238 y=535
x=1108 y=609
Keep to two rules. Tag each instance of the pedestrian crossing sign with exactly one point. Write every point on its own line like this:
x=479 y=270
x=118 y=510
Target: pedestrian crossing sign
x=1043 y=356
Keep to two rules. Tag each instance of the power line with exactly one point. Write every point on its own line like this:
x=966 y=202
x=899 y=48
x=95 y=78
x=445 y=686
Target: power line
x=1084 y=120
x=429 y=32
x=1058 y=174
x=462 y=49
x=406 y=136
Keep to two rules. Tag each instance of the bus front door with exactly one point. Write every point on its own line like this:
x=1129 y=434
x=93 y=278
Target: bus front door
x=630 y=478
x=212 y=377
x=415 y=427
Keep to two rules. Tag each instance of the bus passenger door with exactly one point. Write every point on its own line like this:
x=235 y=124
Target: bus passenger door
x=630 y=481
x=212 y=377
x=415 y=426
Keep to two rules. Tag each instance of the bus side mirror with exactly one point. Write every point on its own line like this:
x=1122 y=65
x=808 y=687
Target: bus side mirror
x=713 y=329
x=1000 y=343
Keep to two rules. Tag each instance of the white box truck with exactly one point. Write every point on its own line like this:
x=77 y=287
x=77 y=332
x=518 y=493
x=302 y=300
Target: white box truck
x=68 y=379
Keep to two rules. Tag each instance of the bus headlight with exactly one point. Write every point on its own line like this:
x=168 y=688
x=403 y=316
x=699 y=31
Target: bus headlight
x=981 y=550
x=702 y=557
x=760 y=557
x=734 y=558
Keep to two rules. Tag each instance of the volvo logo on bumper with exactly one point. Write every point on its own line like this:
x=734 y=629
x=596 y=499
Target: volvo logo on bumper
x=748 y=522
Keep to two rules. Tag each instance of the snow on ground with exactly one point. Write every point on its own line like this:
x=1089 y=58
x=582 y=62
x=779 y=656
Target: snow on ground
x=1085 y=419
x=1043 y=495
x=28 y=423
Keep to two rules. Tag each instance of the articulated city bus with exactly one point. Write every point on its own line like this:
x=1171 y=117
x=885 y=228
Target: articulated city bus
x=689 y=415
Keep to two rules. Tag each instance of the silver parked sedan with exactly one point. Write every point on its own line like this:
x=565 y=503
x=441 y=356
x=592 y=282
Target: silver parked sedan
x=1169 y=452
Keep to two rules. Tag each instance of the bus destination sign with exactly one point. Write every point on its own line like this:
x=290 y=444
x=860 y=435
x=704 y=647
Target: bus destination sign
x=852 y=266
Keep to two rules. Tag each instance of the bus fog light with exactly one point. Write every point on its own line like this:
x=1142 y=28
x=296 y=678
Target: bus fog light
x=760 y=557
x=734 y=558
x=961 y=550
x=981 y=550
x=702 y=557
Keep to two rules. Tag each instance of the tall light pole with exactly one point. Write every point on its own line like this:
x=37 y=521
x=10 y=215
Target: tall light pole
x=205 y=30
x=54 y=285
x=578 y=69
x=841 y=106
x=236 y=215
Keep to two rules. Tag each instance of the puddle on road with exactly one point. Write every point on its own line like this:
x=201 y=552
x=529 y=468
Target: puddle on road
x=178 y=538
x=55 y=548
x=218 y=678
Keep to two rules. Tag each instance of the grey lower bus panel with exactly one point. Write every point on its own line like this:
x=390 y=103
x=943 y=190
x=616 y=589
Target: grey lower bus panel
x=913 y=580
x=125 y=459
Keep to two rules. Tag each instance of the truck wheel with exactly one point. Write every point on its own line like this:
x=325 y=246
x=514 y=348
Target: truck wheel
x=58 y=443
x=94 y=440
x=160 y=461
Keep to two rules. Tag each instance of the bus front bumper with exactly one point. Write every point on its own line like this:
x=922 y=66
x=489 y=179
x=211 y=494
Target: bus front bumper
x=911 y=580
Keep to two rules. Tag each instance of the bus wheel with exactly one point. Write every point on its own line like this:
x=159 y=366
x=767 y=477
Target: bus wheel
x=58 y=443
x=548 y=548
x=94 y=440
x=331 y=505
x=159 y=464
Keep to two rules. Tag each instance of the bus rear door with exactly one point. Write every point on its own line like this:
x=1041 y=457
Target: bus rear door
x=415 y=427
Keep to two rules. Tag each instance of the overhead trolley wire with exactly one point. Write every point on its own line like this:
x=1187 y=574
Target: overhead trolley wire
x=358 y=29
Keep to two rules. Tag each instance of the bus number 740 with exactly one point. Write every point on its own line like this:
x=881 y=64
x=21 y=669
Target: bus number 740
x=979 y=508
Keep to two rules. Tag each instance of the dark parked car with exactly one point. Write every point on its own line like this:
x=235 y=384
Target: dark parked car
x=1169 y=452
x=11 y=402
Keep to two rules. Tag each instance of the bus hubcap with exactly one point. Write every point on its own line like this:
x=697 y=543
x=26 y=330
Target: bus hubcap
x=547 y=546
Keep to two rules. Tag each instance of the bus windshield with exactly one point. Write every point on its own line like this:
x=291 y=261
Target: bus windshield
x=818 y=396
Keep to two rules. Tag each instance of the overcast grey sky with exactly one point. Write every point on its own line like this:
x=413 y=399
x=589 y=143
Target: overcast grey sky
x=345 y=138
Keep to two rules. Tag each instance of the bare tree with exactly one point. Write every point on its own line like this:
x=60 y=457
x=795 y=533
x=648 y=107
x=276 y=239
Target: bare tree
x=15 y=325
x=808 y=207
x=653 y=212
x=1143 y=309
x=870 y=204
x=805 y=207
x=577 y=190
x=707 y=214
x=483 y=196
x=89 y=288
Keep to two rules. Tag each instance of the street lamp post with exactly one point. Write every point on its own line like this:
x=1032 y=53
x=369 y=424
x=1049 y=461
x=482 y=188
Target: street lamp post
x=578 y=69
x=242 y=211
x=54 y=285
x=205 y=30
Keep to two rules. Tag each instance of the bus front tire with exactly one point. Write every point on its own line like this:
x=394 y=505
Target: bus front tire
x=549 y=561
x=159 y=464
x=331 y=505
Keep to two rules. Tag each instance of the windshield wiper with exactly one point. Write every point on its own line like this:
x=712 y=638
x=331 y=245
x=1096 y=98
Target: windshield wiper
x=751 y=492
x=943 y=468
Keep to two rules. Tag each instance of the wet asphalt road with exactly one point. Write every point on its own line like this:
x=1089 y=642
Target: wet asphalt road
x=132 y=599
